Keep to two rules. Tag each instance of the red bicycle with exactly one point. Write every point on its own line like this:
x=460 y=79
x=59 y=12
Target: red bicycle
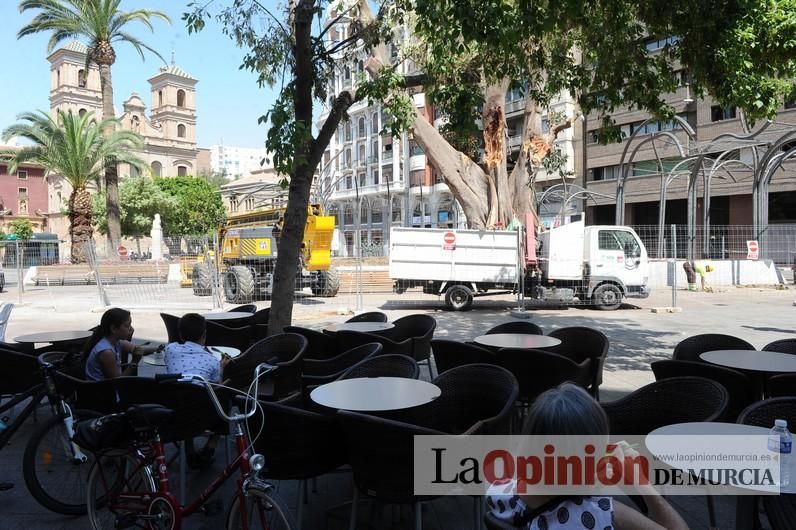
x=129 y=487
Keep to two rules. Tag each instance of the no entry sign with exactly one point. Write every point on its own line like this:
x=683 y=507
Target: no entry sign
x=752 y=250
x=449 y=241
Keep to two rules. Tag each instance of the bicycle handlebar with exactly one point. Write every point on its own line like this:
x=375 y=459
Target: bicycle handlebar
x=259 y=371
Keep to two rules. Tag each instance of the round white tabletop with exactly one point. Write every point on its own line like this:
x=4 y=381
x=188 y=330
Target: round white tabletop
x=226 y=315
x=53 y=336
x=159 y=359
x=371 y=394
x=517 y=340
x=752 y=360
x=362 y=327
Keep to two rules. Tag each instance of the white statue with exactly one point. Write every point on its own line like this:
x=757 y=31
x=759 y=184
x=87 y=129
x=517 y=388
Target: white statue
x=157 y=239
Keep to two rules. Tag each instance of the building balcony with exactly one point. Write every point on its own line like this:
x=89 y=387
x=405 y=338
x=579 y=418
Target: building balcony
x=386 y=156
x=373 y=160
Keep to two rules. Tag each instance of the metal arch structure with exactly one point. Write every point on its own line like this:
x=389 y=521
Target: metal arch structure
x=564 y=193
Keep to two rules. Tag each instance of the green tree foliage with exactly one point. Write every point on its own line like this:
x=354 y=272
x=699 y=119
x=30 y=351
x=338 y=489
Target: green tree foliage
x=140 y=200
x=198 y=206
x=21 y=228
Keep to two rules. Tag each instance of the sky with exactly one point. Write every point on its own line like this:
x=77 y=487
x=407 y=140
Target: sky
x=229 y=100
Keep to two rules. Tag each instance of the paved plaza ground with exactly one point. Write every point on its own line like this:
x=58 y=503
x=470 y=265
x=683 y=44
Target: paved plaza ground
x=637 y=337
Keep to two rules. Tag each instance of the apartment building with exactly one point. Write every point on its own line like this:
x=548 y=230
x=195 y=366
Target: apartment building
x=235 y=162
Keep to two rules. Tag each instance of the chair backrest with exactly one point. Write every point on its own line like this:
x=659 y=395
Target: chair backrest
x=5 y=314
x=97 y=396
x=283 y=350
x=319 y=345
x=371 y=316
x=350 y=339
x=258 y=331
x=672 y=400
x=337 y=365
x=540 y=370
x=417 y=328
x=450 y=354
x=763 y=413
x=516 y=326
x=690 y=348
x=245 y=308
x=260 y=317
x=782 y=385
x=579 y=343
x=172 y=327
x=384 y=366
x=20 y=372
x=221 y=335
x=740 y=389
x=782 y=346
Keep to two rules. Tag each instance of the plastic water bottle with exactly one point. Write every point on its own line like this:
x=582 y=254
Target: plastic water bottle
x=780 y=441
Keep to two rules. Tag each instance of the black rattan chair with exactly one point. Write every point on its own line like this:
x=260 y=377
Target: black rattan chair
x=516 y=326
x=284 y=351
x=172 y=327
x=221 y=335
x=260 y=317
x=384 y=366
x=420 y=330
x=690 y=348
x=782 y=346
x=319 y=345
x=245 y=308
x=783 y=385
x=540 y=370
x=319 y=372
x=665 y=402
x=371 y=316
x=258 y=332
x=580 y=343
x=450 y=354
x=20 y=372
x=351 y=339
x=740 y=389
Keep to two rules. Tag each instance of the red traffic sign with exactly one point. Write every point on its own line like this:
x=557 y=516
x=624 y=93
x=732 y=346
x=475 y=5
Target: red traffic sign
x=122 y=251
x=752 y=250
x=449 y=241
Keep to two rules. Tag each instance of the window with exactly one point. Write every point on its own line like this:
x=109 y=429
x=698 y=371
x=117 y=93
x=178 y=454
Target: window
x=605 y=173
x=58 y=77
x=249 y=204
x=396 y=210
x=361 y=179
x=22 y=175
x=414 y=149
x=348 y=216
x=347 y=73
x=157 y=169
x=375 y=176
x=349 y=182
x=81 y=112
x=22 y=192
x=657 y=44
x=361 y=127
x=181 y=98
x=618 y=240
x=182 y=171
x=388 y=176
x=361 y=153
x=376 y=216
x=81 y=78
x=181 y=131
x=417 y=178
x=374 y=124
x=719 y=113
x=348 y=131
x=387 y=155
x=160 y=98
x=233 y=205
x=347 y=158
x=363 y=213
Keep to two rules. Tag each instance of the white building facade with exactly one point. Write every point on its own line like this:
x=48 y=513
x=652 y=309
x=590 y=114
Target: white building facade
x=235 y=162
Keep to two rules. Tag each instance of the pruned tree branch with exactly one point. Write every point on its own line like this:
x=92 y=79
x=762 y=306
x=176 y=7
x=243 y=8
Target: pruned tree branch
x=341 y=104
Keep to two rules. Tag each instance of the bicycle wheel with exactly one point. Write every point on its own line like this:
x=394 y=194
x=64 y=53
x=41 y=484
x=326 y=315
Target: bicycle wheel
x=265 y=510
x=113 y=475
x=53 y=475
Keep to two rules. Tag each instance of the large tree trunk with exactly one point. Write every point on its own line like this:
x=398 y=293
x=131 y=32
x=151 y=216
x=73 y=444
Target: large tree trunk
x=111 y=167
x=80 y=229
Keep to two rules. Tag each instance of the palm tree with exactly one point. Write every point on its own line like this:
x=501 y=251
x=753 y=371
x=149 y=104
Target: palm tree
x=101 y=23
x=75 y=147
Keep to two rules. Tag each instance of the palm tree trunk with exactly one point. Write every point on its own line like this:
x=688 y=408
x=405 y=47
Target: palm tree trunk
x=80 y=229
x=111 y=169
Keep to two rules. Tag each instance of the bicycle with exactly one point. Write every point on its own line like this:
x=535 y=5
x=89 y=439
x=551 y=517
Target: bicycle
x=54 y=468
x=129 y=486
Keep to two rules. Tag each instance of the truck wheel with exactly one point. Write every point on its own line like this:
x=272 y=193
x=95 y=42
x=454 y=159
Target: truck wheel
x=458 y=298
x=327 y=283
x=607 y=297
x=200 y=279
x=239 y=285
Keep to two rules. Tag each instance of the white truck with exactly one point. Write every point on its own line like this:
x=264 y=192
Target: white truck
x=574 y=263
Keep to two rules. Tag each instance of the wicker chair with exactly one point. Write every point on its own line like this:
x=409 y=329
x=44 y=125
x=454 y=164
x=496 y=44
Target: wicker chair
x=317 y=372
x=690 y=348
x=319 y=345
x=260 y=317
x=246 y=308
x=540 y=370
x=172 y=327
x=419 y=329
x=20 y=372
x=782 y=346
x=450 y=354
x=371 y=316
x=782 y=385
x=580 y=343
x=284 y=351
x=740 y=389
x=350 y=339
x=221 y=335
x=258 y=332
x=384 y=366
x=672 y=400
x=516 y=326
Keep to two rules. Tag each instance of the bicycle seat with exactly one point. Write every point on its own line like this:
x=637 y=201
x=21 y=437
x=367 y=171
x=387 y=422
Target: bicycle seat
x=149 y=417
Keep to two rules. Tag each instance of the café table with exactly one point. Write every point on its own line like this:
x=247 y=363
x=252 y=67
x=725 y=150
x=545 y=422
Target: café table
x=374 y=394
x=227 y=315
x=517 y=340
x=52 y=337
x=752 y=360
x=362 y=327
x=746 y=505
x=159 y=359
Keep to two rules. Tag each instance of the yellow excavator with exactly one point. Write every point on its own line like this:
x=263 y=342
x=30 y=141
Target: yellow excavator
x=249 y=248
